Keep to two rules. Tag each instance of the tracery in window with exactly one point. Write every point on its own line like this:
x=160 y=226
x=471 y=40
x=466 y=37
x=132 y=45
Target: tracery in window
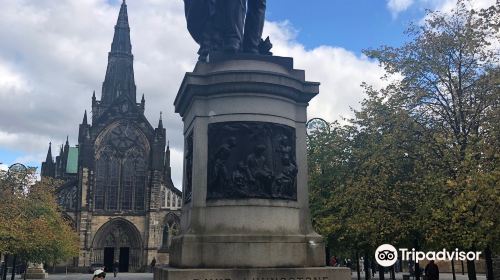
x=121 y=164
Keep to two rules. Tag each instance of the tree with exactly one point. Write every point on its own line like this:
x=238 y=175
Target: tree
x=418 y=165
x=31 y=225
x=450 y=76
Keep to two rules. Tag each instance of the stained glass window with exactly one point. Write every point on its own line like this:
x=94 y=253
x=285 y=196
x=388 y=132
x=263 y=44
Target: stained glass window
x=121 y=167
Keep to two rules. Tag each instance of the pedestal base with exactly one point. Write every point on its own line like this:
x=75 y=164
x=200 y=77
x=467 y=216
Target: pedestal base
x=298 y=273
x=36 y=273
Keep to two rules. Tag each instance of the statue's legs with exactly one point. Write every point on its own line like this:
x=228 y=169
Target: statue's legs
x=232 y=21
x=254 y=24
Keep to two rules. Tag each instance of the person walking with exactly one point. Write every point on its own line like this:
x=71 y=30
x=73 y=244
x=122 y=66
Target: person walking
x=116 y=268
x=431 y=271
x=153 y=263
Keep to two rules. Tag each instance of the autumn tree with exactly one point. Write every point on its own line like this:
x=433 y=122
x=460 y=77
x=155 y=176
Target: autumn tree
x=419 y=162
x=450 y=86
x=31 y=225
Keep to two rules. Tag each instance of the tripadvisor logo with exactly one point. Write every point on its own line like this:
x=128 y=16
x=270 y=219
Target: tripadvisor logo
x=387 y=255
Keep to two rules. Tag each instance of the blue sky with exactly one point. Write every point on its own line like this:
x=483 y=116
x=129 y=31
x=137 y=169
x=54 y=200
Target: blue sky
x=354 y=25
x=53 y=54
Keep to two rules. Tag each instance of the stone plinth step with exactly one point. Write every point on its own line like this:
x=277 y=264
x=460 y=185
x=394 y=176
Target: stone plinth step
x=36 y=273
x=297 y=273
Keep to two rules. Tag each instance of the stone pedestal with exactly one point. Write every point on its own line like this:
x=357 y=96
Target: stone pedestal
x=313 y=273
x=36 y=271
x=246 y=213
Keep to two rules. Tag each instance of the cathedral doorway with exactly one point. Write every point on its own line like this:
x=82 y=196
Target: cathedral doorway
x=109 y=258
x=124 y=259
x=118 y=240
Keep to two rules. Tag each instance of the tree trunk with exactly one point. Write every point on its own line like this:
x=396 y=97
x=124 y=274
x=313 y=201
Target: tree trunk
x=489 y=264
x=453 y=269
x=367 y=267
x=381 y=272
x=358 y=272
x=5 y=266
x=463 y=269
x=13 y=276
x=393 y=273
x=471 y=270
x=25 y=269
x=417 y=266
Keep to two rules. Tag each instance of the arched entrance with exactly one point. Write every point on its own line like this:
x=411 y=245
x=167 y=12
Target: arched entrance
x=118 y=241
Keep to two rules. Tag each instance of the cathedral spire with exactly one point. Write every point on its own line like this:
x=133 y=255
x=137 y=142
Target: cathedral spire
x=121 y=39
x=119 y=78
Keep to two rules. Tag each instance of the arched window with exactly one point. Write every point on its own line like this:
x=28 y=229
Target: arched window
x=168 y=199
x=121 y=165
x=165 y=242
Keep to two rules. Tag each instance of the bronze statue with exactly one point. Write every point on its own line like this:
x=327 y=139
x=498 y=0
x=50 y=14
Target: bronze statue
x=230 y=26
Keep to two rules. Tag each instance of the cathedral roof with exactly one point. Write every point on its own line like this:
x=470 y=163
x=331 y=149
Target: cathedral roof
x=72 y=163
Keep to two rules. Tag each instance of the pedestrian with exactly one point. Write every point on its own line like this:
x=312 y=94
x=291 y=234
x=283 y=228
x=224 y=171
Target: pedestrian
x=333 y=261
x=431 y=271
x=116 y=268
x=153 y=263
x=374 y=268
x=99 y=274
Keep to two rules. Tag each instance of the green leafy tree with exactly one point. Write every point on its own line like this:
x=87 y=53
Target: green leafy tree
x=449 y=85
x=31 y=225
x=418 y=164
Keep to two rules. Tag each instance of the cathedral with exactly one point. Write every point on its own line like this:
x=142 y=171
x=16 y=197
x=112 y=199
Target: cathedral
x=118 y=192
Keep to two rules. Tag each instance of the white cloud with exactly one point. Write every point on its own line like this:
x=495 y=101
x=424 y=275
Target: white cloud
x=448 y=5
x=398 y=6
x=339 y=71
x=53 y=54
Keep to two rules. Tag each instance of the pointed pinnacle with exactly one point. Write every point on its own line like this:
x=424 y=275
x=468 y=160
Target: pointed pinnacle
x=85 y=117
x=49 y=153
x=160 y=123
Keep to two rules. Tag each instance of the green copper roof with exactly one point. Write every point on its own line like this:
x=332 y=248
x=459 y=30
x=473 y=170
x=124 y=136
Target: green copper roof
x=72 y=164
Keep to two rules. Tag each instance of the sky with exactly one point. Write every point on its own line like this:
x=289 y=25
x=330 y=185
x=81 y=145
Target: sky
x=53 y=55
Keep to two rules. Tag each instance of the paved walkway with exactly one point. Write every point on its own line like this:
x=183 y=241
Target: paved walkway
x=149 y=276
x=442 y=276
x=121 y=276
